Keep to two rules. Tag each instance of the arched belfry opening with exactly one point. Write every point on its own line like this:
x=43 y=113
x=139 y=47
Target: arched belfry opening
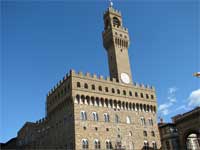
x=116 y=22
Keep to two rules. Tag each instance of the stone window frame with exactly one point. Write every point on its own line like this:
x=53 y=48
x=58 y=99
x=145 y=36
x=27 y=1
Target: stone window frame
x=146 y=145
x=83 y=115
x=124 y=92
x=143 y=121
x=97 y=144
x=130 y=93
x=136 y=94
x=93 y=87
x=106 y=117
x=95 y=116
x=106 y=89
x=108 y=145
x=113 y=90
x=150 y=121
x=100 y=88
x=154 y=145
x=145 y=133
x=141 y=95
x=118 y=91
x=86 y=86
x=78 y=84
x=85 y=144
x=153 y=133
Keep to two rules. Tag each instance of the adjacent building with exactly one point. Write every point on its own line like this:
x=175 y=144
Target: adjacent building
x=86 y=111
x=183 y=133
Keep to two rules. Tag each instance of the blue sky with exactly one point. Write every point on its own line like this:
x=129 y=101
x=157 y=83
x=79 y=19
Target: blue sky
x=42 y=40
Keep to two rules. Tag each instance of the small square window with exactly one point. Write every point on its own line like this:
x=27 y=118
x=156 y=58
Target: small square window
x=107 y=129
x=96 y=128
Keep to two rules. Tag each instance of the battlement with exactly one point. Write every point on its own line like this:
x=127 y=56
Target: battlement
x=108 y=79
x=41 y=121
x=66 y=77
x=111 y=9
x=96 y=77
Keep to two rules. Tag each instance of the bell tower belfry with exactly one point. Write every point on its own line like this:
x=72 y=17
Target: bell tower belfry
x=116 y=42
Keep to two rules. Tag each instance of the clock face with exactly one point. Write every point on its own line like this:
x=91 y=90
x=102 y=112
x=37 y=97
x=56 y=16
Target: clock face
x=125 y=78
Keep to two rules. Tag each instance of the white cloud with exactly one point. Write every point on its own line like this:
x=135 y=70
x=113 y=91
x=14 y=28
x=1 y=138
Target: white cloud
x=171 y=99
x=164 y=108
x=194 y=98
x=172 y=90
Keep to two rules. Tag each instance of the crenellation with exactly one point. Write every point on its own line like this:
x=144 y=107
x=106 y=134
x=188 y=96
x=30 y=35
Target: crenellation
x=153 y=88
x=88 y=75
x=72 y=72
x=94 y=76
x=147 y=86
x=80 y=73
x=142 y=85
x=101 y=77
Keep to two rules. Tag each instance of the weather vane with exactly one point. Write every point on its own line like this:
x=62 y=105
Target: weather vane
x=111 y=3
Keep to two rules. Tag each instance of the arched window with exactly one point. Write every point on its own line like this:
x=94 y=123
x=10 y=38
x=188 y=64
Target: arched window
x=146 y=145
x=83 y=115
x=106 y=89
x=143 y=122
x=116 y=21
x=154 y=145
x=97 y=144
x=152 y=97
x=100 y=88
x=95 y=116
x=93 y=87
x=147 y=96
x=85 y=145
x=128 y=120
x=108 y=145
x=141 y=95
x=150 y=122
x=153 y=133
x=86 y=86
x=118 y=91
x=78 y=84
x=130 y=93
x=116 y=119
x=113 y=90
x=106 y=117
x=145 y=133
x=136 y=94
x=124 y=92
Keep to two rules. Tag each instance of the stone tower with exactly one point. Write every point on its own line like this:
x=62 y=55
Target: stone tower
x=116 y=42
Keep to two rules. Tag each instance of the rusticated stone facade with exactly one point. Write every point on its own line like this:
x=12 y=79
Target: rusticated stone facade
x=85 y=111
